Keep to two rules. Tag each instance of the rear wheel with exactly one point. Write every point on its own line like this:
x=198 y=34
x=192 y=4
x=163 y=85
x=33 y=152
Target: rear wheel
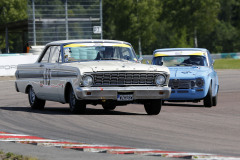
x=34 y=102
x=208 y=100
x=153 y=107
x=75 y=105
x=109 y=105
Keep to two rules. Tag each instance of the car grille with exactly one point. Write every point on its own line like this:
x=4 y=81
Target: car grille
x=124 y=79
x=181 y=83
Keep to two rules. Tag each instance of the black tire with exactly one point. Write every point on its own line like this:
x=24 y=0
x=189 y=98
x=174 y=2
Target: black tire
x=153 y=107
x=163 y=102
x=76 y=106
x=215 y=99
x=34 y=102
x=109 y=105
x=208 y=100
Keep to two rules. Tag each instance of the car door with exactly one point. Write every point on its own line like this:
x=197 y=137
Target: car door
x=49 y=64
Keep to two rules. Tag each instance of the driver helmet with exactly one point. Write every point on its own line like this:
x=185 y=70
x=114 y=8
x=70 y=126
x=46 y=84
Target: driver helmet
x=108 y=53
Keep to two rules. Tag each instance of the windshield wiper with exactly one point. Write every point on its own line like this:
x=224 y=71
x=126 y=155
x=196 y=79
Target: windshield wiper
x=118 y=59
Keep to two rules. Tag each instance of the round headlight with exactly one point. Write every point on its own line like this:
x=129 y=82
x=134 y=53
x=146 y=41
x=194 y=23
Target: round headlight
x=87 y=81
x=199 y=82
x=160 y=80
x=192 y=84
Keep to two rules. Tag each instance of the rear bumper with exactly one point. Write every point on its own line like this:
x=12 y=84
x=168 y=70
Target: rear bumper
x=110 y=93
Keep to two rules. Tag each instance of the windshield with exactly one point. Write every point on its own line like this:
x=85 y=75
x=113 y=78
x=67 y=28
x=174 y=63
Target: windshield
x=171 y=61
x=98 y=51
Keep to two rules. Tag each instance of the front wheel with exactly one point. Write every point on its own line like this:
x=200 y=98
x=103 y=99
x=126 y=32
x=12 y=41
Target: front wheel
x=208 y=100
x=109 y=105
x=34 y=102
x=153 y=107
x=214 y=100
x=75 y=105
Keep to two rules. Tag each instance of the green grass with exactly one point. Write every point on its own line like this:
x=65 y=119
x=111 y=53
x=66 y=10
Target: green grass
x=227 y=64
x=12 y=156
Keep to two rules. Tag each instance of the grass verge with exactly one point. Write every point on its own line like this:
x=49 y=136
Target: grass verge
x=227 y=64
x=12 y=156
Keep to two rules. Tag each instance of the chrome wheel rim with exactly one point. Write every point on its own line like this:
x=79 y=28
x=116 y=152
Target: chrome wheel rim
x=32 y=95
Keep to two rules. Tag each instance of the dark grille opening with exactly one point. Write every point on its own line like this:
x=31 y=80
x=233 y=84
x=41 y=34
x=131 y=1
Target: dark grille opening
x=121 y=78
x=181 y=83
x=149 y=82
x=142 y=82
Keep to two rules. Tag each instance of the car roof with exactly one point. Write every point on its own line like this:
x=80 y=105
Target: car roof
x=86 y=41
x=180 y=51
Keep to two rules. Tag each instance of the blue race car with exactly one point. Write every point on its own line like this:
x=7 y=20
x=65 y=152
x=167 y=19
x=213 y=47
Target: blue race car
x=192 y=76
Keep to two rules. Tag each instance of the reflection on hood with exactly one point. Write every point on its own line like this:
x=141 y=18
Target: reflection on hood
x=187 y=72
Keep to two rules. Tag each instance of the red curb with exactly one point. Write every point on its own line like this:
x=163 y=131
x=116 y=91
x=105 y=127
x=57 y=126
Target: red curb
x=144 y=152
x=17 y=138
x=157 y=151
x=120 y=152
x=64 y=142
x=60 y=142
x=95 y=147
x=4 y=133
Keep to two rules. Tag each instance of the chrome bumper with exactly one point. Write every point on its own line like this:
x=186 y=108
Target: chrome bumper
x=138 y=92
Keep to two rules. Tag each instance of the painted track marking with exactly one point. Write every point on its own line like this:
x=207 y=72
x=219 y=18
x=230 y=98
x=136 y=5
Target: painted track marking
x=27 y=139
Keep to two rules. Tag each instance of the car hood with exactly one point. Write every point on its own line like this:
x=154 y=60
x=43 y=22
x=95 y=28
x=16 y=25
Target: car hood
x=115 y=65
x=188 y=72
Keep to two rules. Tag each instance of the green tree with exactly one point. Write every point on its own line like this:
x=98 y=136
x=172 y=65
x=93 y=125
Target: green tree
x=132 y=20
x=226 y=34
x=190 y=19
x=11 y=11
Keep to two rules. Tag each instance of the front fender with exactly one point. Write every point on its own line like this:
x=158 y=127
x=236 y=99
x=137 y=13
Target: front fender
x=211 y=79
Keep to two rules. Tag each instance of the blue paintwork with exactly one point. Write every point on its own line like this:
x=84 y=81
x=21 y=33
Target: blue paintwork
x=207 y=73
x=191 y=73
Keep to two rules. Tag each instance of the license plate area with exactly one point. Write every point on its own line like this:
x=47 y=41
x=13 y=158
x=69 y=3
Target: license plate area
x=125 y=97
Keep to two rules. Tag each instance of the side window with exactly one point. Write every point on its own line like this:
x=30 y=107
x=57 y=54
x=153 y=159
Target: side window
x=55 y=54
x=157 y=61
x=52 y=55
x=46 y=56
x=210 y=59
x=126 y=53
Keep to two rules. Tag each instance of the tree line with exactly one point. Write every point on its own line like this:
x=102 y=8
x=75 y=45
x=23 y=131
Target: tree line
x=153 y=24
x=211 y=24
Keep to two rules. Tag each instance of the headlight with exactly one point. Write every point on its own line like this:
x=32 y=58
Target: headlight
x=199 y=82
x=192 y=84
x=87 y=81
x=160 y=80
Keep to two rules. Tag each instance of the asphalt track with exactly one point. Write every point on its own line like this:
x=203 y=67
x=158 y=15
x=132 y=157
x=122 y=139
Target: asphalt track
x=186 y=127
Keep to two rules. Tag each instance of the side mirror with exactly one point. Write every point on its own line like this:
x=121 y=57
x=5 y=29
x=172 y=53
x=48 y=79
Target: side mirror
x=213 y=61
x=140 y=59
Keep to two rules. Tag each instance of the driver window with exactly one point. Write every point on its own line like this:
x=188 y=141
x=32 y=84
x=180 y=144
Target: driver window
x=52 y=55
x=209 y=59
x=46 y=56
x=126 y=54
